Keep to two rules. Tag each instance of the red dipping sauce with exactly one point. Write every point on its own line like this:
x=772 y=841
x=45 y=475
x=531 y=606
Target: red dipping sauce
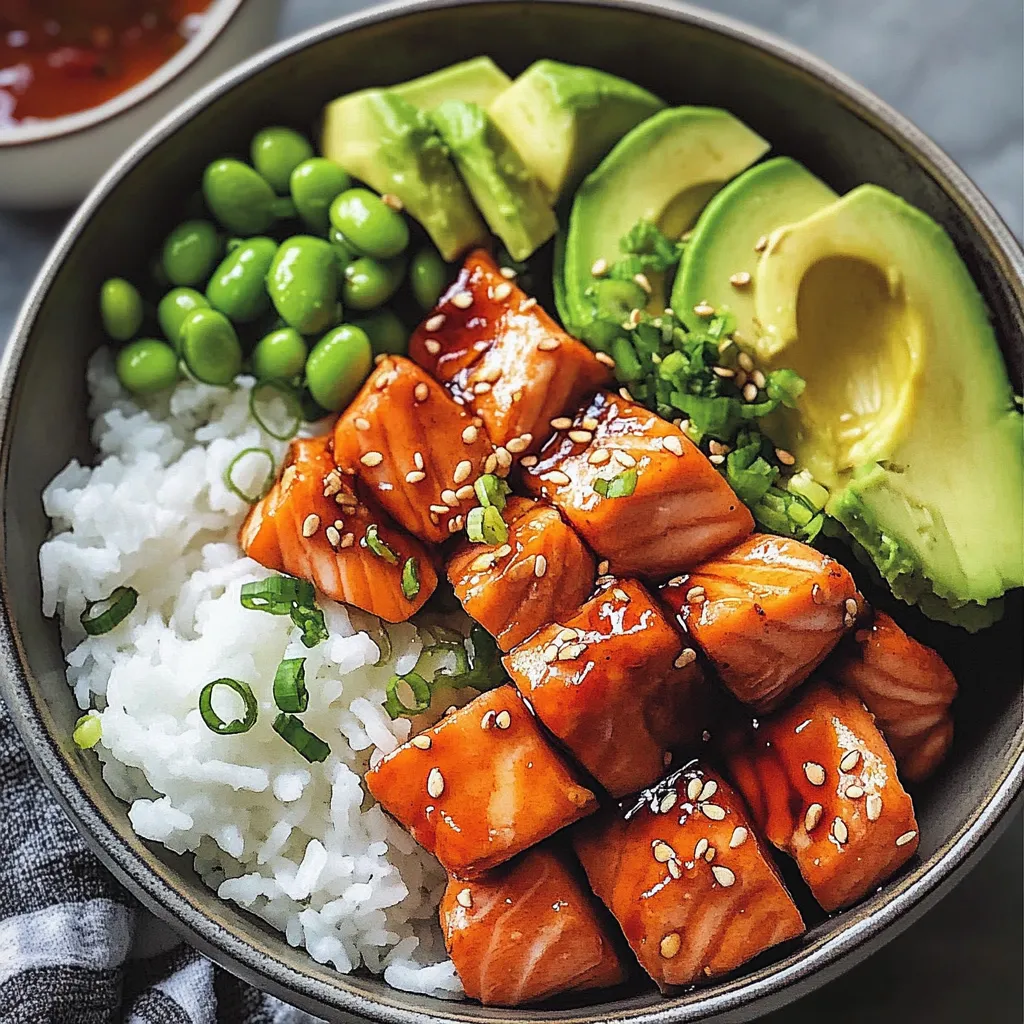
x=58 y=57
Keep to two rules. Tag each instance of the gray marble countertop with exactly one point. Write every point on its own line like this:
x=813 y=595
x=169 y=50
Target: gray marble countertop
x=957 y=70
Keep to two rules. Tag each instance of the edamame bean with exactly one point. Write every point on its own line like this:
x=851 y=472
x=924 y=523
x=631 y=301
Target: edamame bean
x=238 y=285
x=174 y=307
x=239 y=198
x=190 y=252
x=337 y=366
x=210 y=347
x=369 y=223
x=147 y=365
x=279 y=355
x=428 y=274
x=386 y=332
x=276 y=152
x=303 y=283
x=313 y=185
x=369 y=283
x=120 y=308
x=343 y=248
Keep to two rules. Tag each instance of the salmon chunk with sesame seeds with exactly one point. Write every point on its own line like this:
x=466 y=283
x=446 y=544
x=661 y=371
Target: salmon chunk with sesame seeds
x=766 y=612
x=529 y=930
x=480 y=786
x=501 y=354
x=685 y=874
x=641 y=494
x=822 y=785
x=415 y=449
x=514 y=588
x=906 y=686
x=616 y=683
x=314 y=525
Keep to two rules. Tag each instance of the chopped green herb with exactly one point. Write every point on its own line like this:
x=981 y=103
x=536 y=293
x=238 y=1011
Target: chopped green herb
x=377 y=546
x=277 y=594
x=296 y=735
x=268 y=480
x=214 y=722
x=411 y=578
x=276 y=408
x=310 y=619
x=491 y=490
x=102 y=616
x=290 y=693
x=420 y=690
x=484 y=525
x=88 y=731
x=621 y=486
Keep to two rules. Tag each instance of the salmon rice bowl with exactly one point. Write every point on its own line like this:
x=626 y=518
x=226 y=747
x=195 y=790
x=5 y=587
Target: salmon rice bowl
x=506 y=511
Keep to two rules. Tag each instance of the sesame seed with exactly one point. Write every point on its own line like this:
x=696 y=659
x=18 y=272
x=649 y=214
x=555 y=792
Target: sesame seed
x=491 y=463
x=348 y=540
x=462 y=300
x=454 y=525
x=464 y=898
x=470 y=434
x=854 y=792
x=390 y=199
x=624 y=393
x=519 y=444
x=849 y=761
x=488 y=720
x=687 y=656
x=673 y=444
x=663 y=853
x=435 y=783
x=462 y=471
x=372 y=459
x=693 y=788
x=435 y=323
x=817 y=594
x=634 y=319
x=761 y=244
x=571 y=652
x=676 y=581
x=723 y=371
x=710 y=855
x=717 y=448
x=599 y=267
x=465 y=492
x=873 y=806
x=362 y=423
x=561 y=423
x=505 y=549
x=448 y=710
x=620 y=595
x=815 y=773
x=674 y=868
x=723 y=876
x=481 y=387
x=758 y=378
x=713 y=811
x=421 y=742
x=703 y=309
x=602 y=567
x=502 y=291
x=907 y=837
x=623 y=458
x=668 y=801
x=508 y=273
x=432 y=345
x=482 y=562
x=603 y=357
x=643 y=282
x=449 y=497
x=749 y=392
x=739 y=837
x=339 y=524
x=527 y=304
x=695 y=595
x=540 y=566
x=439 y=509
x=384 y=380
x=529 y=461
x=599 y=456
x=700 y=849
x=556 y=477
x=333 y=536
x=310 y=524
x=740 y=280
x=840 y=831
x=421 y=392
x=332 y=483
x=670 y=945
x=550 y=653
x=786 y=458
x=503 y=719
x=565 y=634
x=581 y=436
x=851 y=607
x=813 y=816
x=746 y=363
x=414 y=476
x=548 y=344
x=709 y=789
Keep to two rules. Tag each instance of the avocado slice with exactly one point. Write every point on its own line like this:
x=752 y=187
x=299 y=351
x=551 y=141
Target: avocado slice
x=663 y=171
x=563 y=119
x=382 y=139
x=479 y=81
x=908 y=416
x=506 y=193
x=727 y=234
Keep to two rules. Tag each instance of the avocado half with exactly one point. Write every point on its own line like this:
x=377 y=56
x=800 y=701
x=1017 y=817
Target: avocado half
x=908 y=415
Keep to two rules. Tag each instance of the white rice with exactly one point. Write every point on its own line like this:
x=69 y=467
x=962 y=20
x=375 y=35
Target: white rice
x=299 y=845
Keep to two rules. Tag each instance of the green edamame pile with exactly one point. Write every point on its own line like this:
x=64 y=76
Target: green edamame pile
x=286 y=269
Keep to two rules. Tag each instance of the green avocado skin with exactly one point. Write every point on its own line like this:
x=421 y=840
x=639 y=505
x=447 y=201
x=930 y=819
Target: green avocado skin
x=505 y=191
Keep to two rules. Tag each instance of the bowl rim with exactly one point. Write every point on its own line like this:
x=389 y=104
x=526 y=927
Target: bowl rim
x=869 y=925
x=215 y=20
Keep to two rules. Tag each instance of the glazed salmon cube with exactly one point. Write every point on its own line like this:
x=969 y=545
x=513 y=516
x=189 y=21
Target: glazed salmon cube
x=414 y=448
x=906 y=686
x=528 y=930
x=514 y=588
x=503 y=356
x=684 y=873
x=617 y=685
x=642 y=495
x=822 y=785
x=766 y=612
x=314 y=525
x=480 y=786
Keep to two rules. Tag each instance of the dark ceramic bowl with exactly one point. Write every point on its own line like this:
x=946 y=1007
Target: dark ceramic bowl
x=839 y=131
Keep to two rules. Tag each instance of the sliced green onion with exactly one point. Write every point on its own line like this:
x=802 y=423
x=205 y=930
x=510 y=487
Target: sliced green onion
x=88 y=731
x=377 y=546
x=296 y=735
x=494 y=529
x=268 y=481
x=475 y=524
x=420 y=688
x=410 y=578
x=276 y=408
x=458 y=648
x=485 y=671
x=102 y=616
x=277 y=594
x=217 y=724
x=290 y=693
x=383 y=642
x=491 y=490
x=621 y=486
x=310 y=619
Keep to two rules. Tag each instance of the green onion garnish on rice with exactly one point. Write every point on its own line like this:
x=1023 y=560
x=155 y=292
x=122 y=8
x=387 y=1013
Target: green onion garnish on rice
x=238 y=466
x=102 y=616
x=277 y=594
x=276 y=408
x=88 y=731
x=296 y=735
x=290 y=693
x=214 y=722
x=310 y=619
x=410 y=578
x=420 y=688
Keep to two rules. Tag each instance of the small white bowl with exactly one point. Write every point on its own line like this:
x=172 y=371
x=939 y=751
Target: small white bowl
x=53 y=163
